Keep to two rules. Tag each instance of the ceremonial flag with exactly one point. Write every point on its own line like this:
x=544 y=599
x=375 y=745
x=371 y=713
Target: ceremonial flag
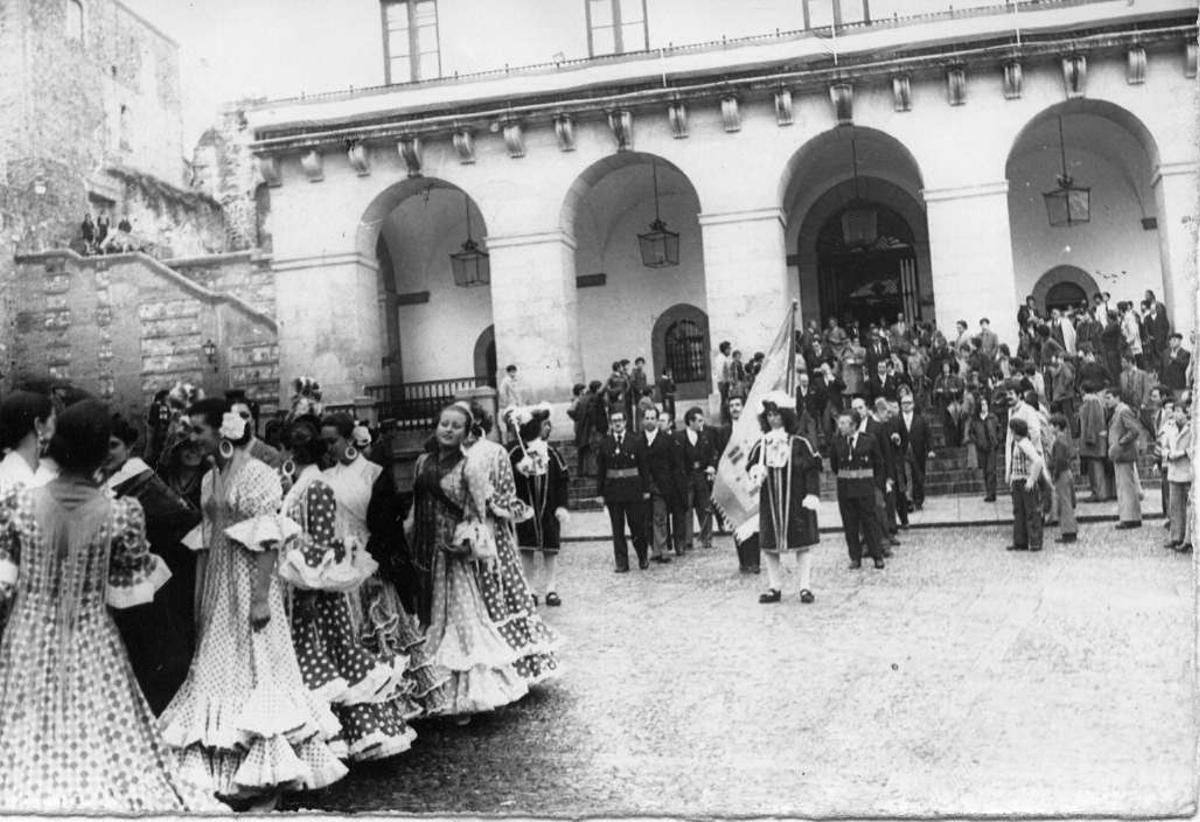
x=732 y=493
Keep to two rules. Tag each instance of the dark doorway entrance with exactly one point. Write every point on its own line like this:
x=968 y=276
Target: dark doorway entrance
x=869 y=281
x=485 y=356
x=1063 y=296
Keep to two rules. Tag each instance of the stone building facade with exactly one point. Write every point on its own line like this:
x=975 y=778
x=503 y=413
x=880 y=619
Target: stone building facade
x=945 y=126
x=91 y=123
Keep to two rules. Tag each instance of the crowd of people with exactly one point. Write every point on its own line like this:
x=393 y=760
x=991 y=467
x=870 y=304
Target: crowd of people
x=1087 y=386
x=97 y=236
x=218 y=621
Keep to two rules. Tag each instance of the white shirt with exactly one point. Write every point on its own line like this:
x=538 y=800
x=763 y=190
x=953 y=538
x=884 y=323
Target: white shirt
x=908 y=419
x=692 y=436
x=650 y=435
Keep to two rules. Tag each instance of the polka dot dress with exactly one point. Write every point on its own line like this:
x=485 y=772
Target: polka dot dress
x=76 y=734
x=364 y=687
x=506 y=593
x=243 y=719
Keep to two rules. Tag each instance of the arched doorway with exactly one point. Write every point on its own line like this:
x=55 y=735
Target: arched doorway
x=1111 y=152
x=411 y=228
x=868 y=282
x=680 y=342
x=856 y=228
x=619 y=298
x=485 y=357
x=1063 y=286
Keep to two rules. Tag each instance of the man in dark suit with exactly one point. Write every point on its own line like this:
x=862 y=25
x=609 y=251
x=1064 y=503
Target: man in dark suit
x=700 y=459
x=914 y=445
x=884 y=382
x=623 y=482
x=869 y=424
x=877 y=349
x=1173 y=371
x=856 y=459
x=664 y=465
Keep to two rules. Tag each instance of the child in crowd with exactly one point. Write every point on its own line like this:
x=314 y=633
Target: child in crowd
x=1063 y=477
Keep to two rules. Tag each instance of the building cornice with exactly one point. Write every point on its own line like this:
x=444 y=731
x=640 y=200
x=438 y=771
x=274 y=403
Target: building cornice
x=935 y=195
x=530 y=238
x=323 y=261
x=752 y=215
x=285 y=128
x=1188 y=167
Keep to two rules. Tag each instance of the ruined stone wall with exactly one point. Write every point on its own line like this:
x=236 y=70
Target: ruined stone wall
x=224 y=168
x=124 y=327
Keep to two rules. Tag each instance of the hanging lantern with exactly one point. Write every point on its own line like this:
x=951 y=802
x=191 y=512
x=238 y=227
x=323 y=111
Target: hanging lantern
x=471 y=265
x=1068 y=204
x=659 y=247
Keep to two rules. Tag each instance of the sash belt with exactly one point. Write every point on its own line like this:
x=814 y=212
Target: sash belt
x=856 y=473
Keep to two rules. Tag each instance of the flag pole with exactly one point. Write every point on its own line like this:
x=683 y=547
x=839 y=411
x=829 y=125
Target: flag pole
x=790 y=378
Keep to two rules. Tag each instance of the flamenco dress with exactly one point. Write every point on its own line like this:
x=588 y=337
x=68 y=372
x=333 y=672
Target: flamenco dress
x=76 y=734
x=463 y=642
x=494 y=503
x=243 y=720
x=365 y=689
x=365 y=495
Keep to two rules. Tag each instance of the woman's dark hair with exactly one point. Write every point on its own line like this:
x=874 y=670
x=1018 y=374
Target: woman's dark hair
x=18 y=413
x=791 y=421
x=80 y=443
x=594 y=386
x=532 y=429
x=577 y=389
x=213 y=410
x=303 y=439
x=482 y=420
x=344 y=424
x=122 y=430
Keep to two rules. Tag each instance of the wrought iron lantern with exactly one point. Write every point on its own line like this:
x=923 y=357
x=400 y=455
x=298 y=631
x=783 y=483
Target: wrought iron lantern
x=210 y=353
x=660 y=247
x=1068 y=204
x=471 y=265
x=860 y=222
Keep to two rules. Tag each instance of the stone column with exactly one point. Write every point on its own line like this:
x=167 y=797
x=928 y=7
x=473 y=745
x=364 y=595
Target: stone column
x=745 y=277
x=534 y=309
x=970 y=251
x=1175 y=186
x=329 y=324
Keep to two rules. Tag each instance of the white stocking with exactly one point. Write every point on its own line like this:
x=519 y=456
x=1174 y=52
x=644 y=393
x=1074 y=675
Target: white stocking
x=774 y=570
x=529 y=566
x=550 y=570
x=804 y=568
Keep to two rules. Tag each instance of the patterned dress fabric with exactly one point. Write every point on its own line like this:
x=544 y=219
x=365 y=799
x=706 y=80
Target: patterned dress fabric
x=383 y=624
x=365 y=688
x=243 y=721
x=506 y=595
x=462 y=638
x=76 y=734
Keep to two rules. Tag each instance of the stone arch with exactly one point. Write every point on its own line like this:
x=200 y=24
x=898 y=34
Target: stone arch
x=827 y=159
x=485 y=356
x=1111 y=151
x=1063 y=274
x=619 y=299
x=386 y=201
x=680 y=338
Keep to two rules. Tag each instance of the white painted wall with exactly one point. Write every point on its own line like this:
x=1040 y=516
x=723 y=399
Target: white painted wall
x=437 y=338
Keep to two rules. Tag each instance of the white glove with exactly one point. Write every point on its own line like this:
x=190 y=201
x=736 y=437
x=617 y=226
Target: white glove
x=757 y=474
x=811 y=502
x=562 y=516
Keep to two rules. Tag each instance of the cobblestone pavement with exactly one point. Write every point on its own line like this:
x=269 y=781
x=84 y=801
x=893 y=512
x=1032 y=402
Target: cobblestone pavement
x=963 y=679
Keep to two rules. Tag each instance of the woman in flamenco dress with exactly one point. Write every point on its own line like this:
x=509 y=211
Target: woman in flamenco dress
x=370 y=515
x=244 y=721
x=326 y=573
x=463 y=640
x=76 y=734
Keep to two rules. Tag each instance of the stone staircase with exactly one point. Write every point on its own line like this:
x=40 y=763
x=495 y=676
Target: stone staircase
x=946 y=474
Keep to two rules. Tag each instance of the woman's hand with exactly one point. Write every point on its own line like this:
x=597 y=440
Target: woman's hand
x=260 y=614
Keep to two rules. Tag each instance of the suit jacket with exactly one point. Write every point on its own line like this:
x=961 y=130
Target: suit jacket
x=1174 y=369
x=989 y=343
x=664 y=465
x=877 y=350
x=701 y=456
x=915 y=438
x=1123 y=434
x=1160 y=326
x=882 y=435
x=865 y=454
x=630 y=455
x=814 y=400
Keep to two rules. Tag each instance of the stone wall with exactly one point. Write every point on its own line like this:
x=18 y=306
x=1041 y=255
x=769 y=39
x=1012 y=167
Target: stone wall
x=73 y=322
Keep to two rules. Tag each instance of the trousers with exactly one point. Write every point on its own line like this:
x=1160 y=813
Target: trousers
x=699 y=506
x=1064 y=494
x=1129 y=504
x=632 y=514
x=1027 y=515
x=860 y=514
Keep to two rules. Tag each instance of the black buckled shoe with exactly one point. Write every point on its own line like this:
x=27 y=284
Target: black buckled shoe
x=879 y=564
x=772 y=595
x=806 y=596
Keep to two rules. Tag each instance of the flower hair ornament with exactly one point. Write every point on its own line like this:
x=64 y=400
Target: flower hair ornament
x=184 y=394
x=306 y=401
x=233 y=427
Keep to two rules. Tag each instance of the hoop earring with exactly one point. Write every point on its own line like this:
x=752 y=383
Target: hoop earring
x=351 y=453
x=225 y=449
x=288 y=468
